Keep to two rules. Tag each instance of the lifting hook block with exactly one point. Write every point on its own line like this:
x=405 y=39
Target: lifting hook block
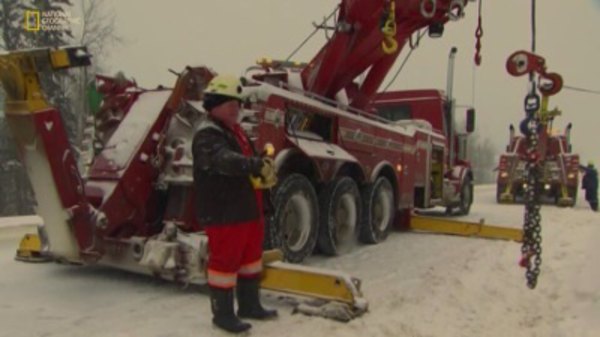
x=521 y=63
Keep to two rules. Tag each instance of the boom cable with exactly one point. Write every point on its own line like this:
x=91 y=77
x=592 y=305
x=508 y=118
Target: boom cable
x=531 y=248
x=533 y=40
x=404 y=61
x=310 y=36
x=589 y=91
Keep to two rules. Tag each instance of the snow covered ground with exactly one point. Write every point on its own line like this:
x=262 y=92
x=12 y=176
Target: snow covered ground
x=417 y=285
x=19 y=221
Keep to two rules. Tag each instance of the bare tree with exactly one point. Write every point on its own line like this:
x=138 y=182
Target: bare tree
x=98 y=33
x=483 y=155
x=65 y=90
x=98 y=30
x=11 y=24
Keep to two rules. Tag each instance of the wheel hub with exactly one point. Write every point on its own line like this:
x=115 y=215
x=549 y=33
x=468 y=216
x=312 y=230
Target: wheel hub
x=296 y=221
x=382 y=209
x=345 y=217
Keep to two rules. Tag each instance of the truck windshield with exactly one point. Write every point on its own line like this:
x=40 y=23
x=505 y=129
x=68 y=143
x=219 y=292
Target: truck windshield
x=395 y=112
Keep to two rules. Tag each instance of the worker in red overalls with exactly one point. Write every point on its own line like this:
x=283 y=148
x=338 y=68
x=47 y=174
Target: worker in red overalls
x=229 y=205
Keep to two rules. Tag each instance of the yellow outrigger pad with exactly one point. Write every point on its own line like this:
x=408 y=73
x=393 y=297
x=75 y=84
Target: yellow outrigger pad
x=335 y=295
x=464 y=228
x=30 y=249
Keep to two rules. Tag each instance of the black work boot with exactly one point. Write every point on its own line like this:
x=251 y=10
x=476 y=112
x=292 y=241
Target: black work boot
x=221 y=303
x=249 y=300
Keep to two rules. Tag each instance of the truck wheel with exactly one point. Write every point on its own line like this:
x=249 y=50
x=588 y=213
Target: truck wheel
x=466 y=197
x=339 y=212
x=293 y=227
x=379 y=209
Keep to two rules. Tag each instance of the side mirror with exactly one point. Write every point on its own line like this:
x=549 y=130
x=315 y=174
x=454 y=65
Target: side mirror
x=470 y=120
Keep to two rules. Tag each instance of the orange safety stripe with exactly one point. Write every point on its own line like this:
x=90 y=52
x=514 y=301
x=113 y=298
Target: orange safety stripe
x=221 y=279
x=251 y=268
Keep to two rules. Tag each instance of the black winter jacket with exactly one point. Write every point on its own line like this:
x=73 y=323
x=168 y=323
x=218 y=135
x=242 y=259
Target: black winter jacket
x=224 y=193
x=590 y=184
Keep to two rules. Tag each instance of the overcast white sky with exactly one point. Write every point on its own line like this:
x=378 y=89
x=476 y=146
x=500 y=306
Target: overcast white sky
x=230 y=35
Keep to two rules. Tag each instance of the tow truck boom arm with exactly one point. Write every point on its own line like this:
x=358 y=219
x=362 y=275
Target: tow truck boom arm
x=368 y=37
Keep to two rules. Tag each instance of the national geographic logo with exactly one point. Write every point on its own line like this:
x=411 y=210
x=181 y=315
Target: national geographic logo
x=36 y=20
x=32 y=21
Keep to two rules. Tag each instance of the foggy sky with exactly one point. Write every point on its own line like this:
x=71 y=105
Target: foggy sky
x=228 y=36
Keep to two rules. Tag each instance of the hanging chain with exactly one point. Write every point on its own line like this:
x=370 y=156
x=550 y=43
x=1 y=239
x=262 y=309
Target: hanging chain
x=531 y=249
x=478 y=36
x=532 y=239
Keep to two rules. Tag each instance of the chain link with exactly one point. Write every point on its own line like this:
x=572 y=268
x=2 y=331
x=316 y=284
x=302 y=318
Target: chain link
x=532 y=230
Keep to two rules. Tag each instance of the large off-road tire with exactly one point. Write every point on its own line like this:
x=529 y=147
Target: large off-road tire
x=339 y=212
x=466 y=197
x=293 y=226
x=379 y=209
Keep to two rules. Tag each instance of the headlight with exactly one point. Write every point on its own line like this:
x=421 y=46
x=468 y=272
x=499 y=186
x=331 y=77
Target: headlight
x=547 y=186
x=525 y=185
x=571 y=176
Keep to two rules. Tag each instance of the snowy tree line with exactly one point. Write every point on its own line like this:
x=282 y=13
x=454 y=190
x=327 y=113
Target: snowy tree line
x=93 y=26
x=484 y=158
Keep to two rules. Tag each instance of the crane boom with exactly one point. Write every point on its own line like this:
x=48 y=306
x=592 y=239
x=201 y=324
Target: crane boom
x=368 y=37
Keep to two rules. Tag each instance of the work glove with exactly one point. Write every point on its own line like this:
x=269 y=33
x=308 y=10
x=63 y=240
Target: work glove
x=266 y=176
x=268 y=173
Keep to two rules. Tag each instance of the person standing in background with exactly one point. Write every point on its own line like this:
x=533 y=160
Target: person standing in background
x=590 y=185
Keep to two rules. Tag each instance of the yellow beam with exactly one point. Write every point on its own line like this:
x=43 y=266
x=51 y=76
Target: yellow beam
x=60 y=59
x=315 y=283
x=464 y=228
x=19 y=75
x=307 y=281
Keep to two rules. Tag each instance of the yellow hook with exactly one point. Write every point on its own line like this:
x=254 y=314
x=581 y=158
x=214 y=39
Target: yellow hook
x=389 y=43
